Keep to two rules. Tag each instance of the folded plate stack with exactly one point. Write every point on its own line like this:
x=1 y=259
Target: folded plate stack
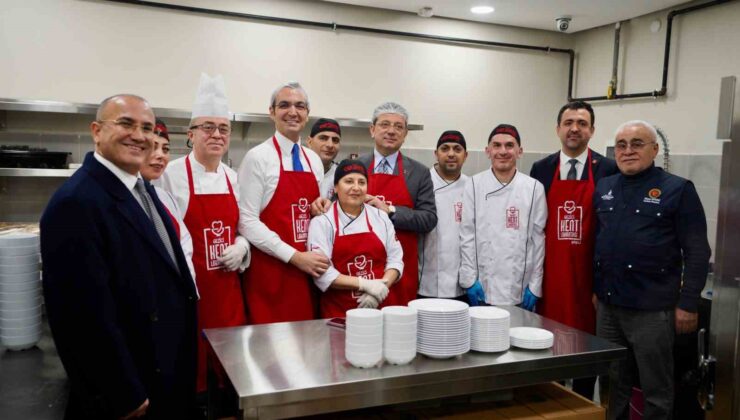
x=20 y=291
x=444 y=327
x=399 y=334
x=489 y=329
x=363 y=345
x=531 y=338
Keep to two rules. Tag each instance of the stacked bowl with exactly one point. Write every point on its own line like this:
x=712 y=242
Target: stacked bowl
x=399 y=334
x=443 y=327
x=20 y=291
x=531 y=338
x=363 y=345
x=489 y=329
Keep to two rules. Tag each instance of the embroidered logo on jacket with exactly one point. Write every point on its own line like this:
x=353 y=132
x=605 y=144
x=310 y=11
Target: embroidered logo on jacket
x=608 y=196
x=653 y=196
x=512 y=218
x=458 y=212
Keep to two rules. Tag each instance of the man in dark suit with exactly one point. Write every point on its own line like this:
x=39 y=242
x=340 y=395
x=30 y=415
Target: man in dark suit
x=402 y=187
x=569 y=177
x=119 y=296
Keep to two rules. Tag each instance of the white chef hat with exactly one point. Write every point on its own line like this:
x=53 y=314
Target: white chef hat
x=210 y=100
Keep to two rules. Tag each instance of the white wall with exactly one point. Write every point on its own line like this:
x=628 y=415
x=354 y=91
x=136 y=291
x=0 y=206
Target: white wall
x=81 y=51
x=704 y=49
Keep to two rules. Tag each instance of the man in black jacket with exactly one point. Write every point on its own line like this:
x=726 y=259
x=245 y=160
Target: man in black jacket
x=650 y=265
x=569 y=177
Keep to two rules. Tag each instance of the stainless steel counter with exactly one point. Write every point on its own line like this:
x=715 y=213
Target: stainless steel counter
x=298 y=368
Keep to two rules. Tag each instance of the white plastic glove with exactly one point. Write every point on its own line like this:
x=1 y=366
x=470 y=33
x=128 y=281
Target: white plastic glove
x=376 y=288
x=367 y=301
x=233 y=255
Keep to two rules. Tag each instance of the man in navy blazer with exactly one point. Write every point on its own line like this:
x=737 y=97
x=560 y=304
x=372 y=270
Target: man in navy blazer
x=121 y=304
x=569 y=177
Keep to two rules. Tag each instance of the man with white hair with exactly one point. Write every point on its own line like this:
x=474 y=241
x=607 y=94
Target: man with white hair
x=207 y=191
x=279 y=180
x=401 y=187
x=650 y=265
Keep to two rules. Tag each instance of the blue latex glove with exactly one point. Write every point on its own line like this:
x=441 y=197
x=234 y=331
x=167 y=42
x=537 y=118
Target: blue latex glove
x=529 y=301
x=476 y=295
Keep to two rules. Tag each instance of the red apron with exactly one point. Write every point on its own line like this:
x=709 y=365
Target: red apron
x=212 y=220
x=359 y=255
x=392 y=189
x=276 y=291
x=569 y=252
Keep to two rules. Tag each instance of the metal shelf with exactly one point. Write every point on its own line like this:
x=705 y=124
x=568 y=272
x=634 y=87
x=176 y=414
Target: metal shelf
x=37 y=172
x=7 y=104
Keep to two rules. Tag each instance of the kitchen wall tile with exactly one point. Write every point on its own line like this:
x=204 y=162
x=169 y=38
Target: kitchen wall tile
x=712 y=236
x=709 y=197
x=704 y=170
x=22 y=211
x=679 y=165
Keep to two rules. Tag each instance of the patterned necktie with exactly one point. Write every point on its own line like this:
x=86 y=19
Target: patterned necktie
x=151 y=212
x=385 y=167
x=572 y=173
x=296 y=154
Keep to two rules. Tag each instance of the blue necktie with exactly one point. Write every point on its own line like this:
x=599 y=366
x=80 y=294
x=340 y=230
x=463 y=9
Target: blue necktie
x=297 y=166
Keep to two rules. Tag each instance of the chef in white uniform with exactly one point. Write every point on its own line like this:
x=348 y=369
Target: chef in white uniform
x=502 y=235
x=152 y=170
x=440 y=259
x=325 y=139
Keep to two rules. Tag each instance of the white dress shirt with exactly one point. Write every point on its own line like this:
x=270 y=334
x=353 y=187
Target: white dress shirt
x=322 y=229
x=565 y=165
x=391 y=159
x=175 y=181
x=259 y=173
x=327 y=184
x=128 y=179
x=186 y=241
x=502 y=236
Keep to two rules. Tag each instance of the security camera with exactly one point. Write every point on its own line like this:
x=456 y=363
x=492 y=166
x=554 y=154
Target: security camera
x=562 y=23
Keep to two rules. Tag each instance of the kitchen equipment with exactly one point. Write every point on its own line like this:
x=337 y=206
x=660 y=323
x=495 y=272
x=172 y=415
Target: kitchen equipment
x=443 y=327
x=31 y=157
x=489 y=329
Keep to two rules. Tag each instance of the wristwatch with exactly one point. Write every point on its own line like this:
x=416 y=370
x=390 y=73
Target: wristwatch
x=391 y=210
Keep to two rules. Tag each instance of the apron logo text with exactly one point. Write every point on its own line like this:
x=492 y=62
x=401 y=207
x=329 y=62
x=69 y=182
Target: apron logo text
x=570 y=222
x=215 y=239
x=301 y=218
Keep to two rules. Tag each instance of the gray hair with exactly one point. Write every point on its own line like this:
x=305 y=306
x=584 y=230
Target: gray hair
x=390 y=108
x=104 y=103
x=290 y=85
x=638 y=123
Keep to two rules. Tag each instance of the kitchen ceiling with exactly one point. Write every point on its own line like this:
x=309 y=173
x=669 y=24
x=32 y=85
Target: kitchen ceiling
x=537 y=14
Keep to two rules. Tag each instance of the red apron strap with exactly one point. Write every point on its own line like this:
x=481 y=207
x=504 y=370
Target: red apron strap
x=189 y=170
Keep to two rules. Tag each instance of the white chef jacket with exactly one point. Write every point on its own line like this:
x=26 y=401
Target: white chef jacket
x=259 y=173
x=440 y=255
x=186 y=242
x=565 y=166
x=174 y=180
x=327 y=184
x=322 y=229
x=502 y=236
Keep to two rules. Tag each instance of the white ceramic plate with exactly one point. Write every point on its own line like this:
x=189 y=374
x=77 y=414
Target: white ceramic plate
x=11 y=251
x=438 y=305
x=489 y=313
x=530 y=334
x=12 y=240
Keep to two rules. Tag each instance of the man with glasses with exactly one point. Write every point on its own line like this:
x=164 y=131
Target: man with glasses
x=502 y=238
x=207 y=191
x=279 y=180
x=119 y=296
x=569 y=177
x=650 y=265
x=401 y=187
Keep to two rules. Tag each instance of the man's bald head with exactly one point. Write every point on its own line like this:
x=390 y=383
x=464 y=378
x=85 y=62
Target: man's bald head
x=118 y=99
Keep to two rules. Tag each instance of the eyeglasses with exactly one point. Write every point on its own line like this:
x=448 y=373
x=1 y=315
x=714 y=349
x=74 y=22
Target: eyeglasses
x=635 y=145
x=210 y=128
x=130 y=126
x=299 y=106
x=386 y=125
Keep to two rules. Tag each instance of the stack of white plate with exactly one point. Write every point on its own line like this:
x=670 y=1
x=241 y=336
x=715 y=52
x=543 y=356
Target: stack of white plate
x=489 y=329
x=363 y=345
x=20 y=291
x=399 y=334
x=444 y=327
x=531 y=338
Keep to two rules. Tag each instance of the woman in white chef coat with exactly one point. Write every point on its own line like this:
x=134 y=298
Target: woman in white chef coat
x=360 y=241
x=502 y=235
x=151 y=170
